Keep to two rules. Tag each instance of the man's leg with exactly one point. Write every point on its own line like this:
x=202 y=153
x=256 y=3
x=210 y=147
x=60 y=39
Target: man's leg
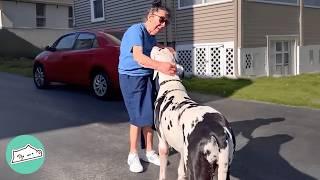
x=142 y=141
x=133 y=158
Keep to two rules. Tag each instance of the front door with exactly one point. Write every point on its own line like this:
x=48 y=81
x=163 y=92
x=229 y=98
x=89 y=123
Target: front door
x=283 y=58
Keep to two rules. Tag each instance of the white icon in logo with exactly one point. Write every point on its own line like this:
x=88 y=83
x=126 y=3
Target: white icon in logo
x=26 y=153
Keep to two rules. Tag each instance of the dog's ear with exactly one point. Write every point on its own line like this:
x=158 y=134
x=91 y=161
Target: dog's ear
x=154 y=52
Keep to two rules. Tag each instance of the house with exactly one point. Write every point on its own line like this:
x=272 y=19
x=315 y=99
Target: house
x=232 y=38
x=27 y=26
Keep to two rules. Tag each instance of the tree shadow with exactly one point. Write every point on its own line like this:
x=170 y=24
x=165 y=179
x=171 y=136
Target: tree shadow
x=260 y=158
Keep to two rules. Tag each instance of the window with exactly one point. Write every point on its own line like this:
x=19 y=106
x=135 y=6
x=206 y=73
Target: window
x=313 y=3
x=84 y=41
x=40 y=15
x=66 y=42
x=319 y=56
x=192 y=3
x=97 y=10
x=70 y=17
x=311 y=56
x=280 y=1
x=307 y=3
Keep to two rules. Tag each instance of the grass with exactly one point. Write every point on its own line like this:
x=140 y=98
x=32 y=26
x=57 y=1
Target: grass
x=21 y=66
x=301 y=90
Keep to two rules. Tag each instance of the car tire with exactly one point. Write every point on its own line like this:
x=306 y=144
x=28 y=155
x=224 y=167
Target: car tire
x=39 y=77
x=100 y=85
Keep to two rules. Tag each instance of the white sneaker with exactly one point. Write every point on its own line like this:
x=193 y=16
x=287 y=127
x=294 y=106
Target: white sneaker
x=151 y=157
x=134 y=163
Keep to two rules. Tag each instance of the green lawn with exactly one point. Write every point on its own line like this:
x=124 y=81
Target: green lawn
x=302 y=90
x=22 y=66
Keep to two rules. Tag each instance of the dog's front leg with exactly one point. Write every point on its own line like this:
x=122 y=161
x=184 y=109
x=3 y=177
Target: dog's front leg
x=181 y=170
x=163 y=153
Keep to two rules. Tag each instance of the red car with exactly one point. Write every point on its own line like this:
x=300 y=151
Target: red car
x=87 y=58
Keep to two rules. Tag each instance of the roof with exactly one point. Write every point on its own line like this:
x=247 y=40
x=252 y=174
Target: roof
x=58 y=2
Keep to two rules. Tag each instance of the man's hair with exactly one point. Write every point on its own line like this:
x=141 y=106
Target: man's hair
x=156 y=6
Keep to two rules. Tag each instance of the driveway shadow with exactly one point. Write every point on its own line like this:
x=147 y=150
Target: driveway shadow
x=260 y=158
x=34 y=110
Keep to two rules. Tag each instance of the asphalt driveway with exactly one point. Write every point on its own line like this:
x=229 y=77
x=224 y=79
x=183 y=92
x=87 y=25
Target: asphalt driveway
x=86 y=139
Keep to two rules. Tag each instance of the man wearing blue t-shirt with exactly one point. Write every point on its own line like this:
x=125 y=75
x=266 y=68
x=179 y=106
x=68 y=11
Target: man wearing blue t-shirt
x=135 y=76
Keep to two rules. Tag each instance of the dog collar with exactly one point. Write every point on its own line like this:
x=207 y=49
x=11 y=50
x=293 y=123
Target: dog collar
x=163 y=82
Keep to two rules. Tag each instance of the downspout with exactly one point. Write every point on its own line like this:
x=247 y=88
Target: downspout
x=0 y=19
x=236 y=38
x=166 y=29
x=301 y=38
x=301 y=23
x=175 y=23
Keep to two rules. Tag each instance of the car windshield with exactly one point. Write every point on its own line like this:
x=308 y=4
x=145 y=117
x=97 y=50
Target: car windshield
x=115 y=37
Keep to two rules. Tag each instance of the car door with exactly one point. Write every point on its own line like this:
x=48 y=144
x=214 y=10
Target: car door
x=55 y=62
x=79 y=59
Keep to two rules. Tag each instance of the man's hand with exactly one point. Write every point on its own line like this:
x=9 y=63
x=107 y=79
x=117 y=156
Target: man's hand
x=171 y=50
x=167 y=68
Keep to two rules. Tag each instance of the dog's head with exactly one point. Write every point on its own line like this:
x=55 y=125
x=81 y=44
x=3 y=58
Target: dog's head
x=164 y=55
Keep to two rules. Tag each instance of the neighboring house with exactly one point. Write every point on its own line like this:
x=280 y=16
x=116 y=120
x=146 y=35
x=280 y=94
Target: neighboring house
x=27 y=26
x=215 y=38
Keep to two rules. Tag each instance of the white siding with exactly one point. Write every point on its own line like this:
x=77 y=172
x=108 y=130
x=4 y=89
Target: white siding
x=23 y=15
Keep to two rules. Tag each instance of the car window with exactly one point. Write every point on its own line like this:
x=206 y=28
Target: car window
x=84 y=41
x=95 y=44
x=66 y=42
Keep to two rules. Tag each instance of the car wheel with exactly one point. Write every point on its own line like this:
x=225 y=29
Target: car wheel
x=100 y=85
x=39 y=77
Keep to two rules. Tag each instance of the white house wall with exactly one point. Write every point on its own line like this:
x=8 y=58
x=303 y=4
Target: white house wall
x=253 y=61
x=21 y=15
x=306 y=64
x=57 y=16
x=48 y=36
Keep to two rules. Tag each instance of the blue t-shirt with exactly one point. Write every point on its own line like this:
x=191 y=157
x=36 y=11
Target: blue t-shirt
x=136 y=35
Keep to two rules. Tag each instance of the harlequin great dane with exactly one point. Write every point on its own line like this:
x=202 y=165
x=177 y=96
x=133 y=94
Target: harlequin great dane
x=200 y=134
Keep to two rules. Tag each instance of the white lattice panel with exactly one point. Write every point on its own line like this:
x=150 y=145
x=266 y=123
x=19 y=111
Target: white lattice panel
x=201 y=61
x=207 y=60
x=215 y=62
x=185 y=60
x=248 y=61
x=229 y=62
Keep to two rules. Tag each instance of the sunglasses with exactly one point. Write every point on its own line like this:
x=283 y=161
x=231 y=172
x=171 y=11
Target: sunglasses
x=162 y=19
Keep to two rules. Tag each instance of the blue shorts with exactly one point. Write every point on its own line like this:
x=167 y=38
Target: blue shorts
x=139 y=95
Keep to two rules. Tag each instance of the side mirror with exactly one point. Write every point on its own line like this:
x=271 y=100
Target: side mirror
x=49 y=48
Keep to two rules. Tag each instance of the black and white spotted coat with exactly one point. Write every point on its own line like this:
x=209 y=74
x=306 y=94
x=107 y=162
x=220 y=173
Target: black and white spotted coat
x=201 y=134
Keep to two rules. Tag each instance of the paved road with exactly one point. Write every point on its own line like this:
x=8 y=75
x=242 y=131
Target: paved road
x=86 y=139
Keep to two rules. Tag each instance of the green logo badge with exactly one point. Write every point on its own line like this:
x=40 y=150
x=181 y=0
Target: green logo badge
x=25 y=154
